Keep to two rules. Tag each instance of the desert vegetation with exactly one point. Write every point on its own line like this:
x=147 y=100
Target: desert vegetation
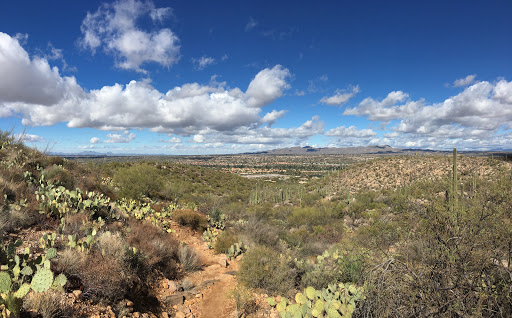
x=398 y=236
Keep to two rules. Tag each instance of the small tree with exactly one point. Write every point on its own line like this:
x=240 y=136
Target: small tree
x=138 y=180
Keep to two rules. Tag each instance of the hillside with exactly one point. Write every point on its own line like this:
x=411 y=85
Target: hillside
x=395 y=236
x=399 y=171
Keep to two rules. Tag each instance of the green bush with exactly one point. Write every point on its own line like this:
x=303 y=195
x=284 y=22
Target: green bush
x=265 y=268
x=224 y=241
x=138 y=180
x=59 y=176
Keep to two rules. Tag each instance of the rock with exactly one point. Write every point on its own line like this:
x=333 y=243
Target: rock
x=129 y=303
x=183 y=309
x=190 y=294
x=214 y=267
x=187 y=284
x=171 y=285
x=164 y=315
x=224 y=261
x=77 y=293
x=174 y=300
x=136 y=314
x=179 y=314
x=209 y=282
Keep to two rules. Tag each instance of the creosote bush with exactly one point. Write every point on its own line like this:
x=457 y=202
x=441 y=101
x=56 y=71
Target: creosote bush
x=194 y=220
x=58 y=175
x=224 y=241
x=264 y=268
x=138 y=180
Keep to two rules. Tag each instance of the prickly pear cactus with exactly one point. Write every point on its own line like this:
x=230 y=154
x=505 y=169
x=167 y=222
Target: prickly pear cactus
x=59 y=282
x=22 y=291
x=42 y=280
x=5 y=282
x=335 y=301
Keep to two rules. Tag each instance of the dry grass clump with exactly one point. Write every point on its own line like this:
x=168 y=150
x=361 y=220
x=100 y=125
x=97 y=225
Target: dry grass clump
x=112 y=245
x=159 y=248
x=106 y=277
x=50 y=304
x=189 y=260
x=76 y=223
x=105 y=272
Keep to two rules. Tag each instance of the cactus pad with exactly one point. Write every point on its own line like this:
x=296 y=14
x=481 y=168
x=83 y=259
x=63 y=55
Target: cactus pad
x=51 y=253
x=310 y=292
x=300 y=298
x=333 y=313
x=60 y=280
x=22 y=291
x=5 y=282
x=27 y=271
x=42 y=280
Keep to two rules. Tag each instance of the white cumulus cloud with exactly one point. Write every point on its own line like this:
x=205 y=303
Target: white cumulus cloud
x=114 y=28
x=477 y=118
x=31 y=81
x=340 y=97
x=184 y=110
x=351 y=131
x=27 y=138
x=468 y=80
x=386 y=109
x=267 y=86
x=271 y=117
x=118 y=138
x=94 y=140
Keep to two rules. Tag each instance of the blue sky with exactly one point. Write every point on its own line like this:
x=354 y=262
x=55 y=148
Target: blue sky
x=202 y=77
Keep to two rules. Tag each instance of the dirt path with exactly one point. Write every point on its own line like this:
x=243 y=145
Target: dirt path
x=213 y=284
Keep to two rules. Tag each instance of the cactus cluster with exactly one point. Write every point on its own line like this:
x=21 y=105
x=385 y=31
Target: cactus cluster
x=84 y=244
x=143 y=210
x=19 y=274
x=217 y=222
x=210 y=236
x=276 y=194
x=48 y=240
x=58 y=201
x=334 y=301
x=236 y=249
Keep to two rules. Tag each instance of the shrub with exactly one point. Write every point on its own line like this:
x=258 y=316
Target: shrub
x=105 y=277
x=138 y=180
x=159 y=248
x=194 y=220
x=76 y=223
x=224 y=241
x=245 y=303
x=59 y=176
x=260 y=232
x=102 y=276
x=263 y=267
